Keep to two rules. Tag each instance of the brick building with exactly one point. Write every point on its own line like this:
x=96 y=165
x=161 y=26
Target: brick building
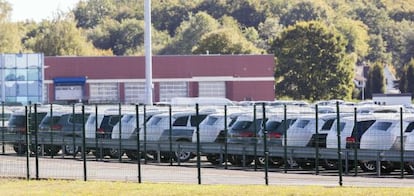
x=122 y=79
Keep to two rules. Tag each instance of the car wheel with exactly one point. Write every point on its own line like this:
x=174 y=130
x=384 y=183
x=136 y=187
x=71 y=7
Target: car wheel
x=214 y=159
x=276 y=161
x=114 y=153
x=33 y=149
x=72 y=150
x=409 y=167
x=387 y=167
x=132 y=154
x=330 y=164
x=20 y=149
x=368 y=166
x=237 y=160
x=51 y=150
x=183 y=156
x=101 y=153
x=306 y=164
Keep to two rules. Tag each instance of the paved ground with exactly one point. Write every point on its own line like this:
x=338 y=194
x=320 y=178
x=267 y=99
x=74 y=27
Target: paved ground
x=67 y=168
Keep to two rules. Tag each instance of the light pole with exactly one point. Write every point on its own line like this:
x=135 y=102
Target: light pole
x=148 y=52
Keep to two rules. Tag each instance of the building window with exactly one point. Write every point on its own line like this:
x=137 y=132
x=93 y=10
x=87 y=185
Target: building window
x=134 y=92
x=22 y=79
x=212 y=89
x=169 y=90
x=104 y=93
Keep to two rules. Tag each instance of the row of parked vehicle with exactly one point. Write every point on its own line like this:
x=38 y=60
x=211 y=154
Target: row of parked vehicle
x=369 y=127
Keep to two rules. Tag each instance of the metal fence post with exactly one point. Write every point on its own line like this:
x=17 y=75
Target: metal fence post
x=316 y=140
x=73 y=132
x=266 y=152
x=225 y=138
x=402 y=142
x=27 y=142
x=84 y=144
x=96 y=135
x=170 y=133
x=254 y=139
x=338 y=131
x=356 y=144
x=145 y=135
x=285 y=138
x=120 y=132
x=198 y=145
x=50 y=129
x=36 y=142
x=3 y=150
x=138 y=143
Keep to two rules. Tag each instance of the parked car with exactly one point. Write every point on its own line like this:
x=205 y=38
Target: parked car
x=212 y=130
x=385 y=134
x=303 y=133
x=183 y=127
x=275 y=127
x=350 y=132
x=66 y=123
x=106 y=119
x=244 y=131
x=17 y=125
x=128 y=125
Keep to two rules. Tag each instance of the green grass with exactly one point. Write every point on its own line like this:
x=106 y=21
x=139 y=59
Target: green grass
x=63 y=187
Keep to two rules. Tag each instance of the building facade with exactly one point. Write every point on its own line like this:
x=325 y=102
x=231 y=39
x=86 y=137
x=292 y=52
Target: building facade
x=122 y=79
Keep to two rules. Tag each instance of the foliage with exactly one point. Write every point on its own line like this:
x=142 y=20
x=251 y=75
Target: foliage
x=376 y=80
x=311 y=63
x=60 y=37
x=356 y=33
x=406 y=84
x=304 y=11
x=225 y=41
x=190 y=32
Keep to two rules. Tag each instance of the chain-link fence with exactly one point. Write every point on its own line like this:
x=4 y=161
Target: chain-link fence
x=132 y=142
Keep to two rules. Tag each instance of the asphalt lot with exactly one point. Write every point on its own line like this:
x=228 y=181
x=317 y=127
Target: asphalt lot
x=69 y=168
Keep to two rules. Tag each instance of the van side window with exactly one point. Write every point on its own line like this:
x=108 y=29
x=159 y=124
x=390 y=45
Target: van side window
x=410 y=127
x=181 y=121
x=77 y=118
x=114 y=120
x=328 y=124
x=197 y=119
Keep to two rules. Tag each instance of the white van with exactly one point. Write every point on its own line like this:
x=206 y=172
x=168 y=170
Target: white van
x=303 y=129
x=182 y=129
x=385 y=133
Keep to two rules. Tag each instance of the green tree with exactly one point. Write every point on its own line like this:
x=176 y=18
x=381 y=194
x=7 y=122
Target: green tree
x=168 y=15
x=248 y=13
x=215 y=8
x=126 y=37
x=190 y=32
x=225 y=41
x=305 y=11
x=90 y=13
x=375 y=80
x=356 y=33
x=9 y=32
x=406 y=84
x=5 y=10
x=268 y=31
x=378 y=50
x=311 y=63
x=60 y=37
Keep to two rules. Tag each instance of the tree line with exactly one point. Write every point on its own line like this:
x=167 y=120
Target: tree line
x=316 y=43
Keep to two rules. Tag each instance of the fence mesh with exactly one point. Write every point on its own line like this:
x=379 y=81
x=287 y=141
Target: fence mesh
x=137 y=142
